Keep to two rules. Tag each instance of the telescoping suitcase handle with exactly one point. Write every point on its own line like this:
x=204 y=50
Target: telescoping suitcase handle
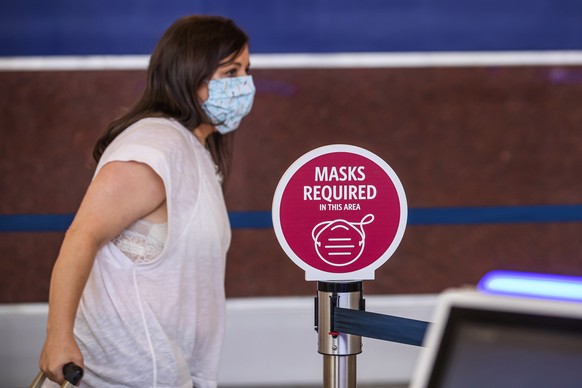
x=73 y=375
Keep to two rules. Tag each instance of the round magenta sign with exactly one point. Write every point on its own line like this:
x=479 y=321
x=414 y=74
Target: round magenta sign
x=339 y=212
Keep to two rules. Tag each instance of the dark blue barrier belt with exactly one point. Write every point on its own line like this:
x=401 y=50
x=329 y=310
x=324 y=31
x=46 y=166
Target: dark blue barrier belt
x=379 y=326
x=262 y=219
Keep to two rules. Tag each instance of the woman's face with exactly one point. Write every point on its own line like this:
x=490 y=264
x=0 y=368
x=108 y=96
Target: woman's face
x=229 y=67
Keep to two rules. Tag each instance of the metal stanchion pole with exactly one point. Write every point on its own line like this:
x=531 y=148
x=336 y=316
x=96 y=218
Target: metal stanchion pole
x=339 y=350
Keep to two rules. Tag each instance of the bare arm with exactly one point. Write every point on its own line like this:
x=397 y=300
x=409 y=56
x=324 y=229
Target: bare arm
x=120 y=194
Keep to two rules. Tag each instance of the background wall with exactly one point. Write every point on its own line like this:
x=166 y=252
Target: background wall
x=489 y=155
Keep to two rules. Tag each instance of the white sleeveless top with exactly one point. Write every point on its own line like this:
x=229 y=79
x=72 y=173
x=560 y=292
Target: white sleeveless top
x=159 y=322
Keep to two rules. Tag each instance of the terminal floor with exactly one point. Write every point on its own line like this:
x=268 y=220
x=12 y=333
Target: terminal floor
x=316 y=386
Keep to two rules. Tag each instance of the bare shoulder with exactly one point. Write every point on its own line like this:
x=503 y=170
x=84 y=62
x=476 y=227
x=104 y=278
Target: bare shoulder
x=120 y=194
x=130 y=176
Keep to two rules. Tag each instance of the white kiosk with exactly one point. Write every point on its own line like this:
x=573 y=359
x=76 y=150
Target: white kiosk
x=339 y=212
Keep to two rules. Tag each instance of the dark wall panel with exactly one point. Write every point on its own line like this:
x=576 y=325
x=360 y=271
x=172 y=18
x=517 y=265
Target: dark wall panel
x=455 y=136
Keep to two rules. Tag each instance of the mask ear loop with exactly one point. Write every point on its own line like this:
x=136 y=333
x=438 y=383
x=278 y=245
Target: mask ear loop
x=368 y=219
x=205 y=83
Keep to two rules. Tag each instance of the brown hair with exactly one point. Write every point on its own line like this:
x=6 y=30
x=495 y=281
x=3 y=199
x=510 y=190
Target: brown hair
x=187 y=55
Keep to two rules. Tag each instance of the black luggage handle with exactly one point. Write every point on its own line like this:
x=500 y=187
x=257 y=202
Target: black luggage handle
x=73 y=375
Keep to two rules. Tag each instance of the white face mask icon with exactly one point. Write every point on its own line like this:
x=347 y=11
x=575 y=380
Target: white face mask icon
x=339 y=242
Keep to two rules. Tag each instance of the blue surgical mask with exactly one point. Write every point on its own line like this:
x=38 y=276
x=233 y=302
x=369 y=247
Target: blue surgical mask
x=229 y=100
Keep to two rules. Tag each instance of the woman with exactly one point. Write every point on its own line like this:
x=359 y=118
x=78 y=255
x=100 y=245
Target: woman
x=137 y=291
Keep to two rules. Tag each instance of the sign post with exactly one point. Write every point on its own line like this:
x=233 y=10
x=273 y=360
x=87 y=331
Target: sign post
x=339 y=213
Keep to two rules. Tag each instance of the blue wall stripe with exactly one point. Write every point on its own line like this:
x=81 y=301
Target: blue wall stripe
x=416 y=217
x=35 y=222
x=495 y=214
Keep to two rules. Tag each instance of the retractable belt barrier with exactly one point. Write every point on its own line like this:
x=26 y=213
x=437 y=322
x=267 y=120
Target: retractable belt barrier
x=379 y=326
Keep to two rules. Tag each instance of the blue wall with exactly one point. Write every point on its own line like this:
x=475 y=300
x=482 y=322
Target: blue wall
x=79 y=27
